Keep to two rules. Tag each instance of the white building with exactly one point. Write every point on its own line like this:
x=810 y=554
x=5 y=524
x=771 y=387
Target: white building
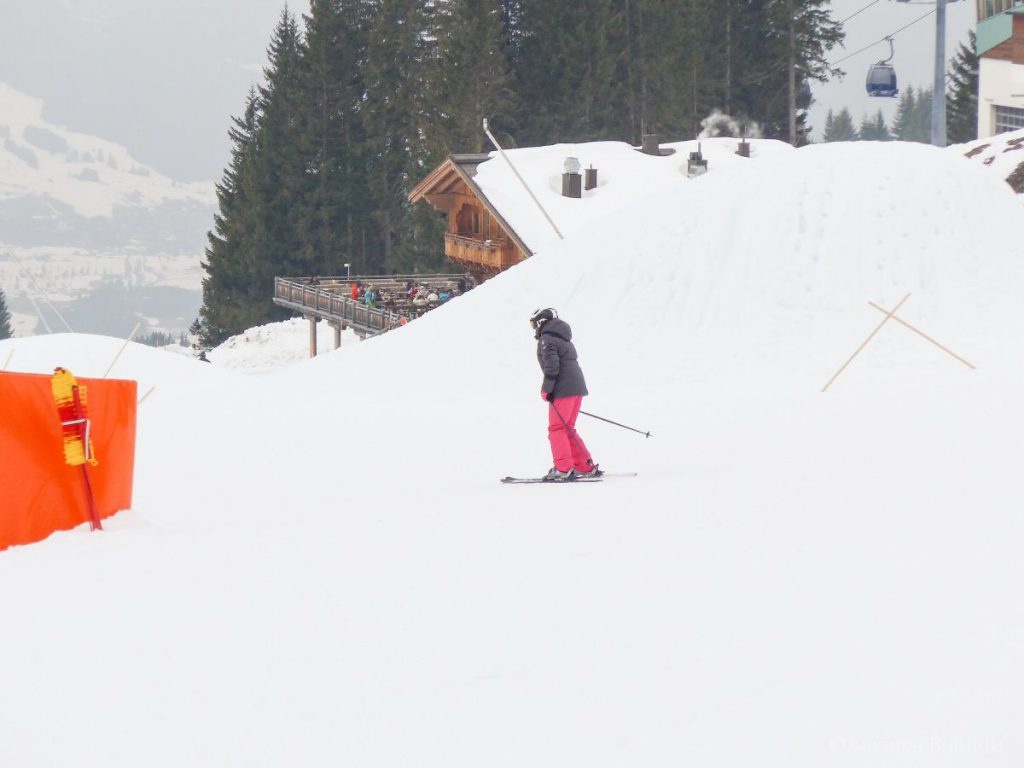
x=1000 y=66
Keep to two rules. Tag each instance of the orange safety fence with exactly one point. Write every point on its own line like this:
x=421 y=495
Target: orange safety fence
x=39 y=492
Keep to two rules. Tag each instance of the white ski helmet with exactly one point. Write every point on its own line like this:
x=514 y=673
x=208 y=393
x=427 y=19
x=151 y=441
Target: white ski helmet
x=541 y=316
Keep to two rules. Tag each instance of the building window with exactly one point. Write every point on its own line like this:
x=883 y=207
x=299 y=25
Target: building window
x=990 y=8
x=1009 y=119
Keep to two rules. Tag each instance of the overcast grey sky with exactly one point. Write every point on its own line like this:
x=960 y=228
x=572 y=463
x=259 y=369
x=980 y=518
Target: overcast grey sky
x=163 y=78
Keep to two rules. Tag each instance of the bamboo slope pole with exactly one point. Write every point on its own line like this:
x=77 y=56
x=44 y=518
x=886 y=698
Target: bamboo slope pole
x=39 y=314
x=130 y=337
x=8 y=360
x=522 y=181
x=43 y=292
x=865 y=342
x=148 y=393
x=923 y=335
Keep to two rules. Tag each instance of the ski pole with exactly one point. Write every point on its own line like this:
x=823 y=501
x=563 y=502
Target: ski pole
x=602 y=418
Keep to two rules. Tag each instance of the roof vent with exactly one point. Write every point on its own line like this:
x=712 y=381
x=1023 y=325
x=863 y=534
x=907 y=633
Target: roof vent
x=572 y=182
x=696 y=165
x=649 y=146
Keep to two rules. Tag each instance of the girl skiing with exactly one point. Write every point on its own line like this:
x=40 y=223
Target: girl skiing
x=563 y=389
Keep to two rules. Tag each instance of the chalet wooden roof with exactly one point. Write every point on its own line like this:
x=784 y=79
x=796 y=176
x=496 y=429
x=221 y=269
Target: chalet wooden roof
x=460 y=169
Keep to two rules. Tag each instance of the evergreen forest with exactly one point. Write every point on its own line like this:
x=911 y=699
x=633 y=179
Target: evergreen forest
x=360 y=99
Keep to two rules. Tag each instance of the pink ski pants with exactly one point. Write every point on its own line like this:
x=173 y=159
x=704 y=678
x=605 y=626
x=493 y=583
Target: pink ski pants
x=567 y=447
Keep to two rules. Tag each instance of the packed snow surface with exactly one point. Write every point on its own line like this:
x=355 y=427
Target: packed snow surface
x=321 y=568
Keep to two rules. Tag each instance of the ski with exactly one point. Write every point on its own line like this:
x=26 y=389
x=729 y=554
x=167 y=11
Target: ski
x=597 y=479
x=550 y=482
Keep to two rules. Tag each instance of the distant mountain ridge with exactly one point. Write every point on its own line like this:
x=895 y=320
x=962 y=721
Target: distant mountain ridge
x=81 y=214
x=90 y=175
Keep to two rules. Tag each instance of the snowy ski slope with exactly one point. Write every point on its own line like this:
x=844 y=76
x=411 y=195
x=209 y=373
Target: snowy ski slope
x=321 y=568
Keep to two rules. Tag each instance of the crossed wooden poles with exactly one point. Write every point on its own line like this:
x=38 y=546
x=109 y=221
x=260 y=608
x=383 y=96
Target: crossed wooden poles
x=890 y=314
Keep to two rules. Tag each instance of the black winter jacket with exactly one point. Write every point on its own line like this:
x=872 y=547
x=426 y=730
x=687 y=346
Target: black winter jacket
x=557 y=357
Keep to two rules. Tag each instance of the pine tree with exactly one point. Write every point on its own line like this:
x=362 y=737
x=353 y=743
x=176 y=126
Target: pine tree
x=765 y=35
x=470 y=76
x=874 y=129
x=922 y=117
x=962 y=96
x=222 y=312
x=903 y=124
x=867 y=128
x=255 y=231
x=800 y=33
x=6 y=331
x=565 y=70
x=279 y=179
x=334 y=215
x=840 y=127
x=395 y=108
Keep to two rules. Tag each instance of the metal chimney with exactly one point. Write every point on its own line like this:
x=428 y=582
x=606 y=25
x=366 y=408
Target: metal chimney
x=650 y=145
x=572 y=182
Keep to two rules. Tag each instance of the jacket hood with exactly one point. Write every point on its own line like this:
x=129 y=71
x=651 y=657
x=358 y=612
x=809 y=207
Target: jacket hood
x=557 y=327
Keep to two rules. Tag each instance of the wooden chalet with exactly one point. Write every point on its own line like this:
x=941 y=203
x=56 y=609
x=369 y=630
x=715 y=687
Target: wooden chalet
x=478 y=239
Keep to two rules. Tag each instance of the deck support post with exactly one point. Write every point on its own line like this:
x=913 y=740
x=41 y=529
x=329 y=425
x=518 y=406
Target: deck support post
x=312 y=335
x=337 y=334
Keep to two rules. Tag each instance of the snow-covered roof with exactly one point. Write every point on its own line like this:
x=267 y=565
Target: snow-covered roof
x=624 y=176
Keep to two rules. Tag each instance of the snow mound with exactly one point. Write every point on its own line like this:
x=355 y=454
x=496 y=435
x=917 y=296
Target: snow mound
x=274 y=345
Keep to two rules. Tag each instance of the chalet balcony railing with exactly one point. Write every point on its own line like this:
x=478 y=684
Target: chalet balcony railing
x=331 y=305
x=466 y=250
x=330 y=298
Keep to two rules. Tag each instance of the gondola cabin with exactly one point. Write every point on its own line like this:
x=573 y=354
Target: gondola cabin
x=881 y=81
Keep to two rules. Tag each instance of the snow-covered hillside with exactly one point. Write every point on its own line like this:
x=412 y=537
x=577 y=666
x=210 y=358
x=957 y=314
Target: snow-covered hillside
x=78 y=211
x=321 y=568
x=87 y=174
x=1003 y=155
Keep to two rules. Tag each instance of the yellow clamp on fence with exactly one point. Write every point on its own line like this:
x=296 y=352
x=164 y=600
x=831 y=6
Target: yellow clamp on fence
x=71 y=407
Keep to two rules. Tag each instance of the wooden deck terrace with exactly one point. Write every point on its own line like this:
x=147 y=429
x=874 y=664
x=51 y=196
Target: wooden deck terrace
x=328 y=298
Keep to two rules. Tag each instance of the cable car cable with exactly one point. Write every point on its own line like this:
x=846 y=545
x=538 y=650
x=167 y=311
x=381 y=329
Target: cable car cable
x=873 y=2
x=891 y=34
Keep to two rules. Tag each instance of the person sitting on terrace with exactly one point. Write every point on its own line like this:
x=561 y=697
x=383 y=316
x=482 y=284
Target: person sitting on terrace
x=443 y=296
x=371 y=297
x=432 y=296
